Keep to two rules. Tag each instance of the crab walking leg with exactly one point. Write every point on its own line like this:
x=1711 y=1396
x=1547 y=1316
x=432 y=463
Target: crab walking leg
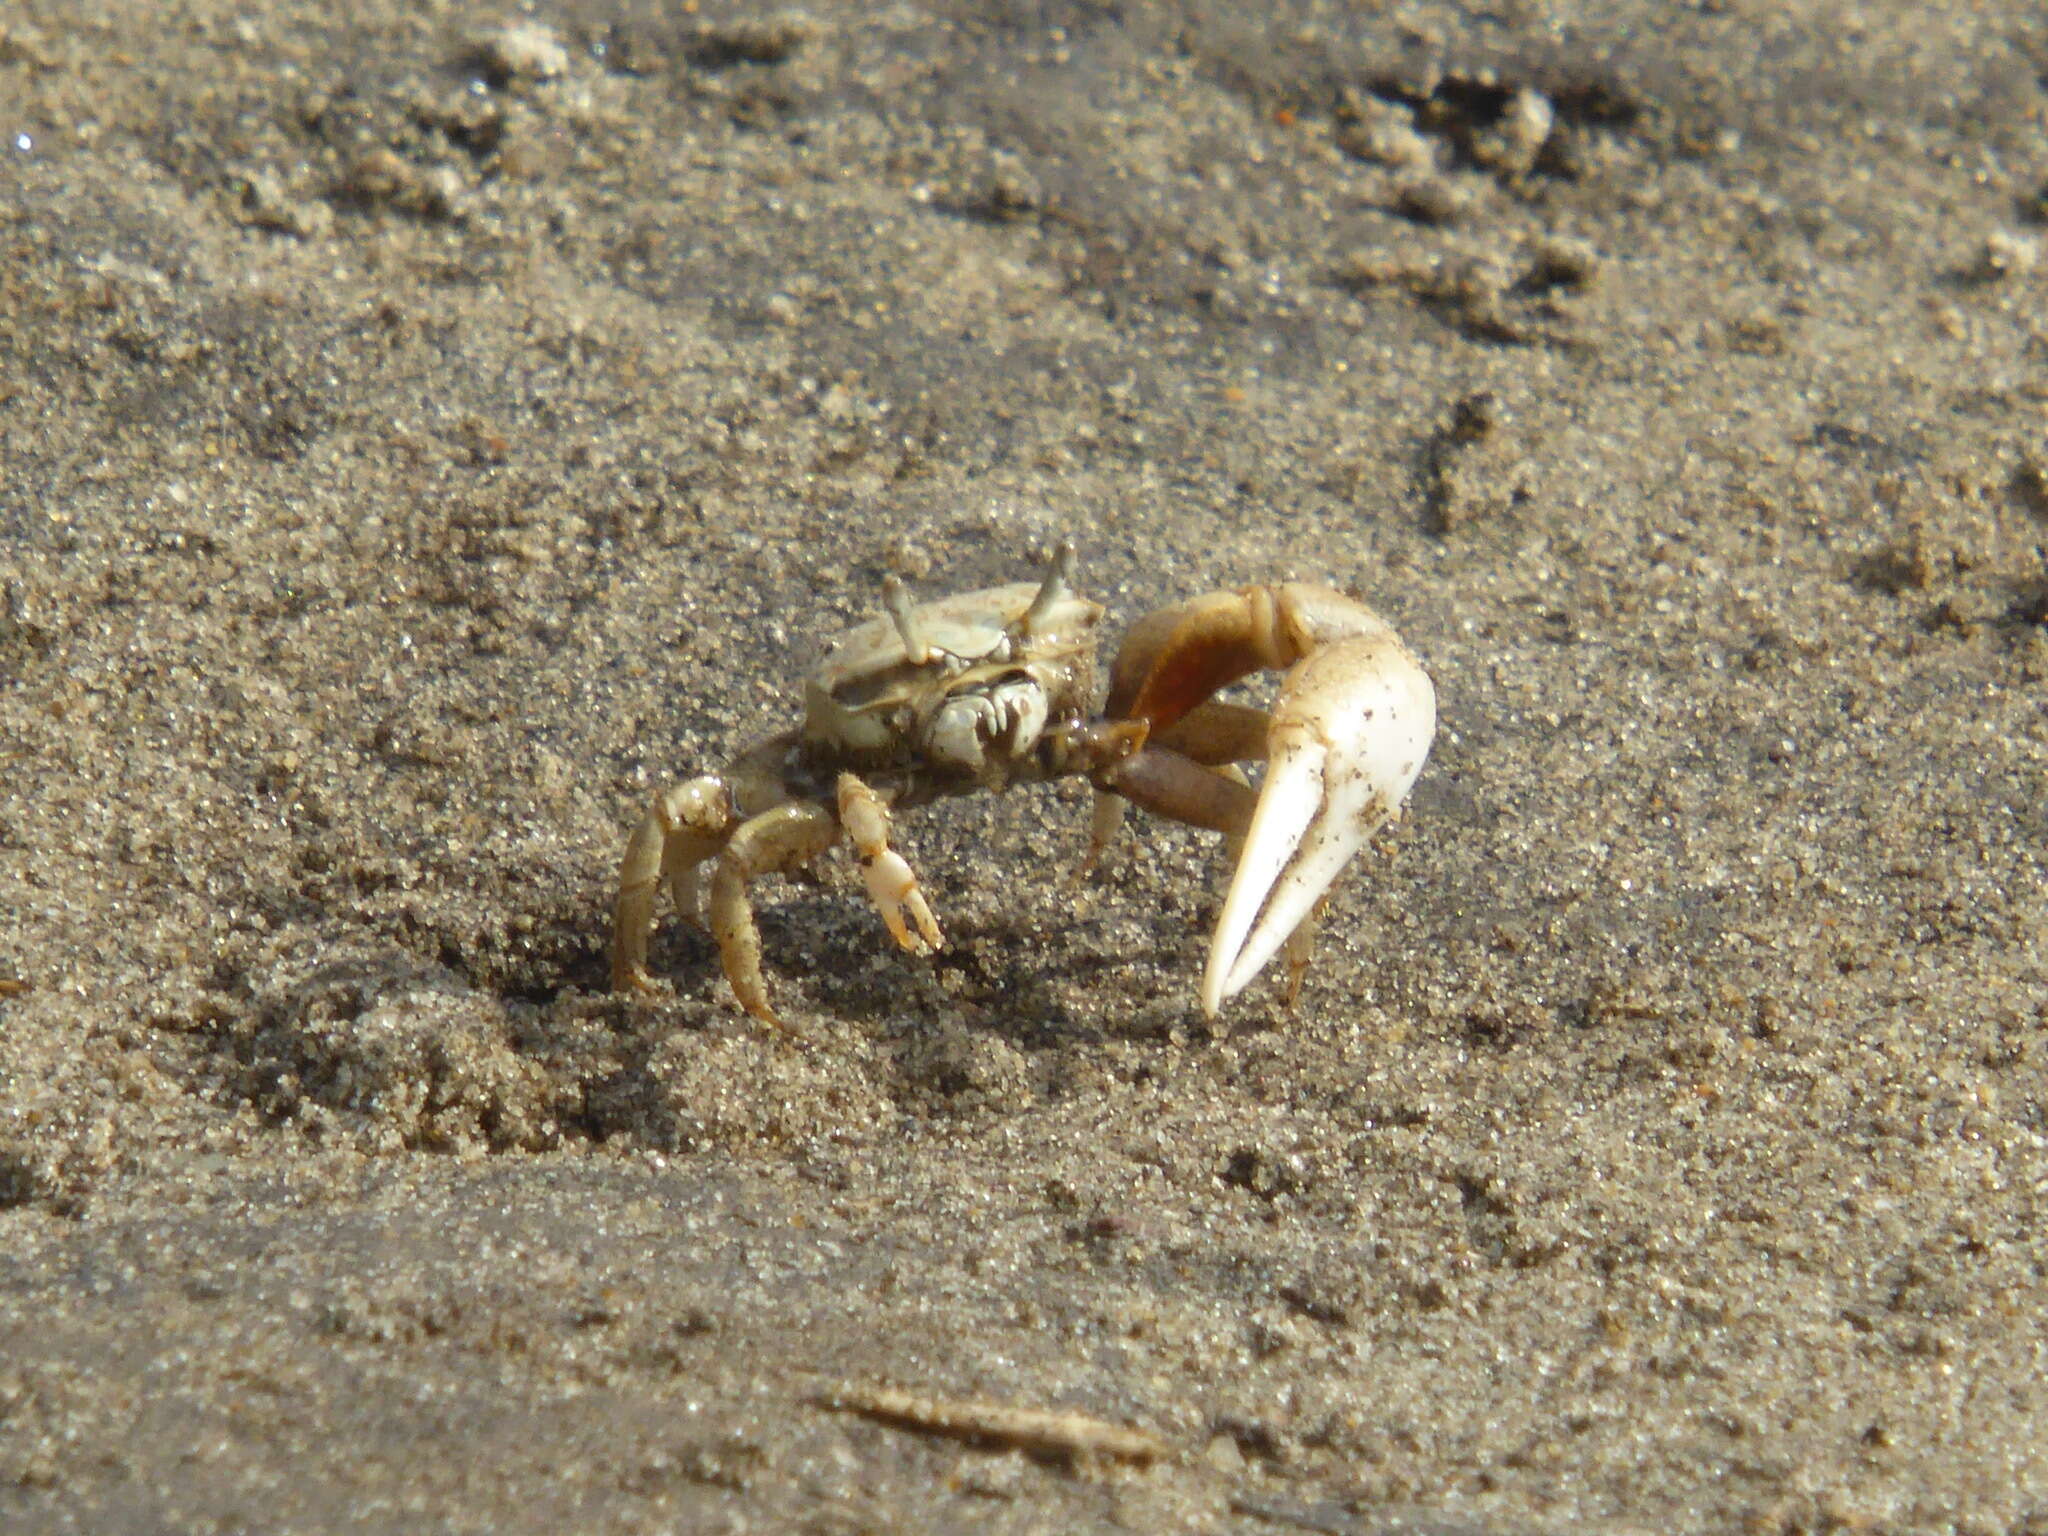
x=1214 y=734
x=1300 y=949
x=1105 y=820
x=1350 y=732
x=1181 y=789
x=1217 y=732
x=686 y=824
x=891 y=885
x=782 y=839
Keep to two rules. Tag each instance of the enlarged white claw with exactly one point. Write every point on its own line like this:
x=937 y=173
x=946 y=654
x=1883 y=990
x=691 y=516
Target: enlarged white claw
x=1350 y=731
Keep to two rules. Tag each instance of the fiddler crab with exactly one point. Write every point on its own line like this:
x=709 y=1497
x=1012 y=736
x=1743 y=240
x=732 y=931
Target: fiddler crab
x=993 y=688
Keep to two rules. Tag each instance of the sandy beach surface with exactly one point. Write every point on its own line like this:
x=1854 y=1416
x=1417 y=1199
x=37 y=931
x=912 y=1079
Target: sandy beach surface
x=427 y=430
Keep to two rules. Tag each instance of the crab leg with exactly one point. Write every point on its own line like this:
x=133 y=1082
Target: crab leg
x=1347 y=736
x=687 y=824
x=1214 y=734
x=785 y=838
x=1169 y=784
x=891 y=885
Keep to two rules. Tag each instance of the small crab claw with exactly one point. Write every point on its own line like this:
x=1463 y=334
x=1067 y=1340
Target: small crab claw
x=891 y=885
x=1349 y=734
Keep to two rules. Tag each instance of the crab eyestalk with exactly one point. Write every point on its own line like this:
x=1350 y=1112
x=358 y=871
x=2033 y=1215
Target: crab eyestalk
x=902 y=611
x=1057 y=587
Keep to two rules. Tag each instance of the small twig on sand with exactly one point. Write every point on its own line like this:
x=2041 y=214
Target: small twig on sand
x=1066 y=1436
